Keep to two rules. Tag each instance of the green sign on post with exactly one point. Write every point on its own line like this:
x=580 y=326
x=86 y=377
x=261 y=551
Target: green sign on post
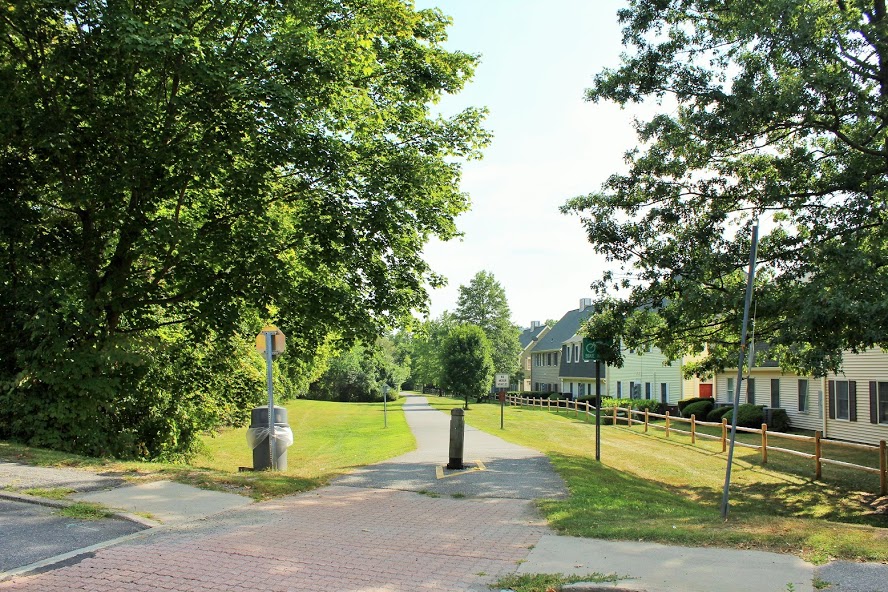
x=592 y=349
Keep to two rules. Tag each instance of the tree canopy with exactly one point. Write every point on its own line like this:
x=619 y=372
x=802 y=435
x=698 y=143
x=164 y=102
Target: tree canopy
x=175 y=174
x=466 y=364
x=777 y=110
x=483 y=303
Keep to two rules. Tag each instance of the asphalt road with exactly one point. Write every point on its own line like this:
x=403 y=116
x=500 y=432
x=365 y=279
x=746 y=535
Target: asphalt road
x=31 y=533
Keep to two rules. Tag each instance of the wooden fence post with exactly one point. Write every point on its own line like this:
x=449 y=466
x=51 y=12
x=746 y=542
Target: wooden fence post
x=764 y=443
x=693 y=428
x=645 y=421
x=667 y=424
x=883 y=468
x=818 y=452
x=724 y=434
x=576 y=408
x=615 y=415
x=629 y=416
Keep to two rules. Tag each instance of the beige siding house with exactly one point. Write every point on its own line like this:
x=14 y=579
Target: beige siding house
x=850 y=406
x=548 y=356
x=528 y=340
x=646 y=376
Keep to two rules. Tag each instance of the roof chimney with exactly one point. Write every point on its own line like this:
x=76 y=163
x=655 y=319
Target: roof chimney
x=585 y=303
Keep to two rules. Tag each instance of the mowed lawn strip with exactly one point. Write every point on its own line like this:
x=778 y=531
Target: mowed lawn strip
x=651 y=488
x=329 y=439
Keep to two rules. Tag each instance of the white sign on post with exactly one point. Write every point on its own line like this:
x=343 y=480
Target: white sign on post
x=502 y=380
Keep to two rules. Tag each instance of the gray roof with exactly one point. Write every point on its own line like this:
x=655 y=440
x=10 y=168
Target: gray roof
x=563 y=330
x=529 y=335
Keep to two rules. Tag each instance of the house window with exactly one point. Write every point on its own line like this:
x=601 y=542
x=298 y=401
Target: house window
x=619 y=389
x=536 y=389
x=803 y=395
x=631 y=389
x=577 y=352
x=879 y=407
x=843 y=399
x=647 y=390
x=567 y=354
x=581 y=389
x=775 y=392
x=843 y=407
x=730 y=390
x=664 y=392
x=750 y=390
x=556 y=358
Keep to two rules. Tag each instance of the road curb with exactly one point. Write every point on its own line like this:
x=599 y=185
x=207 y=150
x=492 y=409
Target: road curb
x=51 y=503
x=42 y=565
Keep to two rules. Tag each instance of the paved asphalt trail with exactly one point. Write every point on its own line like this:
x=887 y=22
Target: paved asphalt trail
x=371 y=531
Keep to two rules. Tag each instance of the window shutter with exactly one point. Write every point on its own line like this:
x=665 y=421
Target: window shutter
x=852 y=400
x=832 y=399
x=874 y=410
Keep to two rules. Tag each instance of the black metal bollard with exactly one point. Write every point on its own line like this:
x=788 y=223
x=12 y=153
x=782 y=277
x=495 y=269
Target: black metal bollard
x=457 y=438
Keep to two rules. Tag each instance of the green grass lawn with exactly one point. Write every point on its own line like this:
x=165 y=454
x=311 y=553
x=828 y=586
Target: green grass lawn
x=329 y=440
x=651 y=488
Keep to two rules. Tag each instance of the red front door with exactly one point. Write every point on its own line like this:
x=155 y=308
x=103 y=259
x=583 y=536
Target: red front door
x=706 y=391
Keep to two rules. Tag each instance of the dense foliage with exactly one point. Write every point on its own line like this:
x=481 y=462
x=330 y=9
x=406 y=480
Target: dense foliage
x=483 y=303
x=362 y=373
x=177 y=173
x=466 y=363
x=774 y=110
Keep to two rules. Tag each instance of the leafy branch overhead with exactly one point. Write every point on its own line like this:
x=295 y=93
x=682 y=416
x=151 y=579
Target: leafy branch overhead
x=177 y=172
x=774 y=110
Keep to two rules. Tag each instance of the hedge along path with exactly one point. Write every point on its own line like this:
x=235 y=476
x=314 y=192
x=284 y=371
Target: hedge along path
x=625 y=414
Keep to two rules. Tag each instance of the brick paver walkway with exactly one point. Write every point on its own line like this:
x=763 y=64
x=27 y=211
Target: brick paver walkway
x=339 y=538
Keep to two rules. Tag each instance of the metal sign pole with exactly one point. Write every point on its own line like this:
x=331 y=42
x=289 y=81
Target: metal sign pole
x=269 y=346
x=597 y=410
x=502 y=398
x=385 y=396
x=750 y=278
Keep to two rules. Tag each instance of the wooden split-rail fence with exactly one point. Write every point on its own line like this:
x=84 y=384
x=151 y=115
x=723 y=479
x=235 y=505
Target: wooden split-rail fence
x=635 y=417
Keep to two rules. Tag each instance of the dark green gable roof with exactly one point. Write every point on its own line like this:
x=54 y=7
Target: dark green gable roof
x=563 y=330
x=529 y=335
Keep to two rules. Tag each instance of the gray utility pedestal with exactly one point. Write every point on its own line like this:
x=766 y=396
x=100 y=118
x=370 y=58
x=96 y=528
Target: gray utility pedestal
x=261 y=451
x=457 y=438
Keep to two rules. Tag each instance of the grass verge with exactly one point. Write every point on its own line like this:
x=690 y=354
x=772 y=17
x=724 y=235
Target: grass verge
x=56 y=493
x=84 y=511
x=329 y=439
x=547 y=582
x=651 y=488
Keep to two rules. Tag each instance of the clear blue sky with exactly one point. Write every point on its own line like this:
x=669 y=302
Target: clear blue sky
x=537 y=58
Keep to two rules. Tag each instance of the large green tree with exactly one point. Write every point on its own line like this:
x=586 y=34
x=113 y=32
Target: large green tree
x=466 y=363
x=776 y=110
x=174 y=173
x=426 y=342
x=483 y=303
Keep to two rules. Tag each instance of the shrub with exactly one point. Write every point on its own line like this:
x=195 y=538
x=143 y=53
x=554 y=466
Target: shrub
x=718 y=413
x=748 y=415
x=698 y=408
x=652 y=405
x=685 y=402
x=779 y=420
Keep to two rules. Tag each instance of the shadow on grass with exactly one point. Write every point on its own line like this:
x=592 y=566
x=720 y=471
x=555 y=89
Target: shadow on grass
x=612 y=504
